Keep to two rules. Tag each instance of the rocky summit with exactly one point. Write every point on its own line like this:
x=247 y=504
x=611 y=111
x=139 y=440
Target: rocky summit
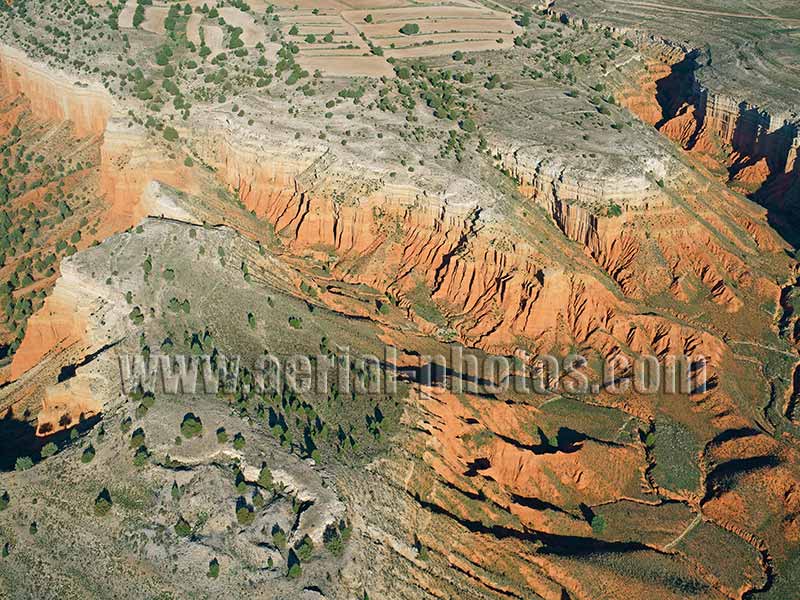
x=399 y=300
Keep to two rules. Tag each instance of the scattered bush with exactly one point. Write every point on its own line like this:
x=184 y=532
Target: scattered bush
x=191 y=426
x=278 y=537
x=182 y=528
x=137 y=438
x=176 y=491
x=141 y=456
x=265 y=478
x=49 y=449
x=293 y=562
x=304 y=548
x=244 y=513
x=213 y=568
x=23 y=463
x=136 y=316
x=88 y=455
x=332 y=540
x=103 y=503
x=598 y=525
x=409 y=29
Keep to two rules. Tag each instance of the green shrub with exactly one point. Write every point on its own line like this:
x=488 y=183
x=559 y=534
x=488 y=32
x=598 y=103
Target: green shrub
x=136 y=316
x=191 y=426
x=333 y=541
x=468 y=125
x=137 y=438
x=88 y=455
x=125 y=425
x=213 y=568
x=304 y=548
x=23 y=463
x=244 y=514
x=598 y=525
x=49 y=449
x=103 y=503
x=265 y=478
x=141 y=456
x=409 y=29
x=182 y=528
x=278 y=538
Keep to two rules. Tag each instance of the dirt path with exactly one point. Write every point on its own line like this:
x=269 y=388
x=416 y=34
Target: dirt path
x=711 y=13
x=697 y=520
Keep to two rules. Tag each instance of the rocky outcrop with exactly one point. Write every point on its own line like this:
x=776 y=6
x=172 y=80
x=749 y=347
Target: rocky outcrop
x=595 y=184
x=129 y=162
x=77 y=322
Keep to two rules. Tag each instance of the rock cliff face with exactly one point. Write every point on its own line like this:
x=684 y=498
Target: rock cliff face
x=77 y=321
x=53 y=96
x=129 y=162
x=563 y=179
x=758 y=149
x=426 y=249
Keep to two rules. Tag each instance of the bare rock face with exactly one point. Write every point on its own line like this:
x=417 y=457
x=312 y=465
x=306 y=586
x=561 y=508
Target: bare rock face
x=53 y=96
x=78 y=320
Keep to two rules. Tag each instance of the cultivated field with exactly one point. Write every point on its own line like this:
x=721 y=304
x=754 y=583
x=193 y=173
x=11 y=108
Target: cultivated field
x=356 y=38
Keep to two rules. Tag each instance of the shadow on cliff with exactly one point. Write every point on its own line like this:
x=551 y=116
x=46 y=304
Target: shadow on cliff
x=750 y=143
x=676 y=89
x=780 y=195
x=779 y=192
x=18 y=439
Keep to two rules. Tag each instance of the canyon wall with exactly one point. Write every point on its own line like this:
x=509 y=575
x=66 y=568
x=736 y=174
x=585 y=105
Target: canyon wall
x=455 y=265
x=759 y=145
